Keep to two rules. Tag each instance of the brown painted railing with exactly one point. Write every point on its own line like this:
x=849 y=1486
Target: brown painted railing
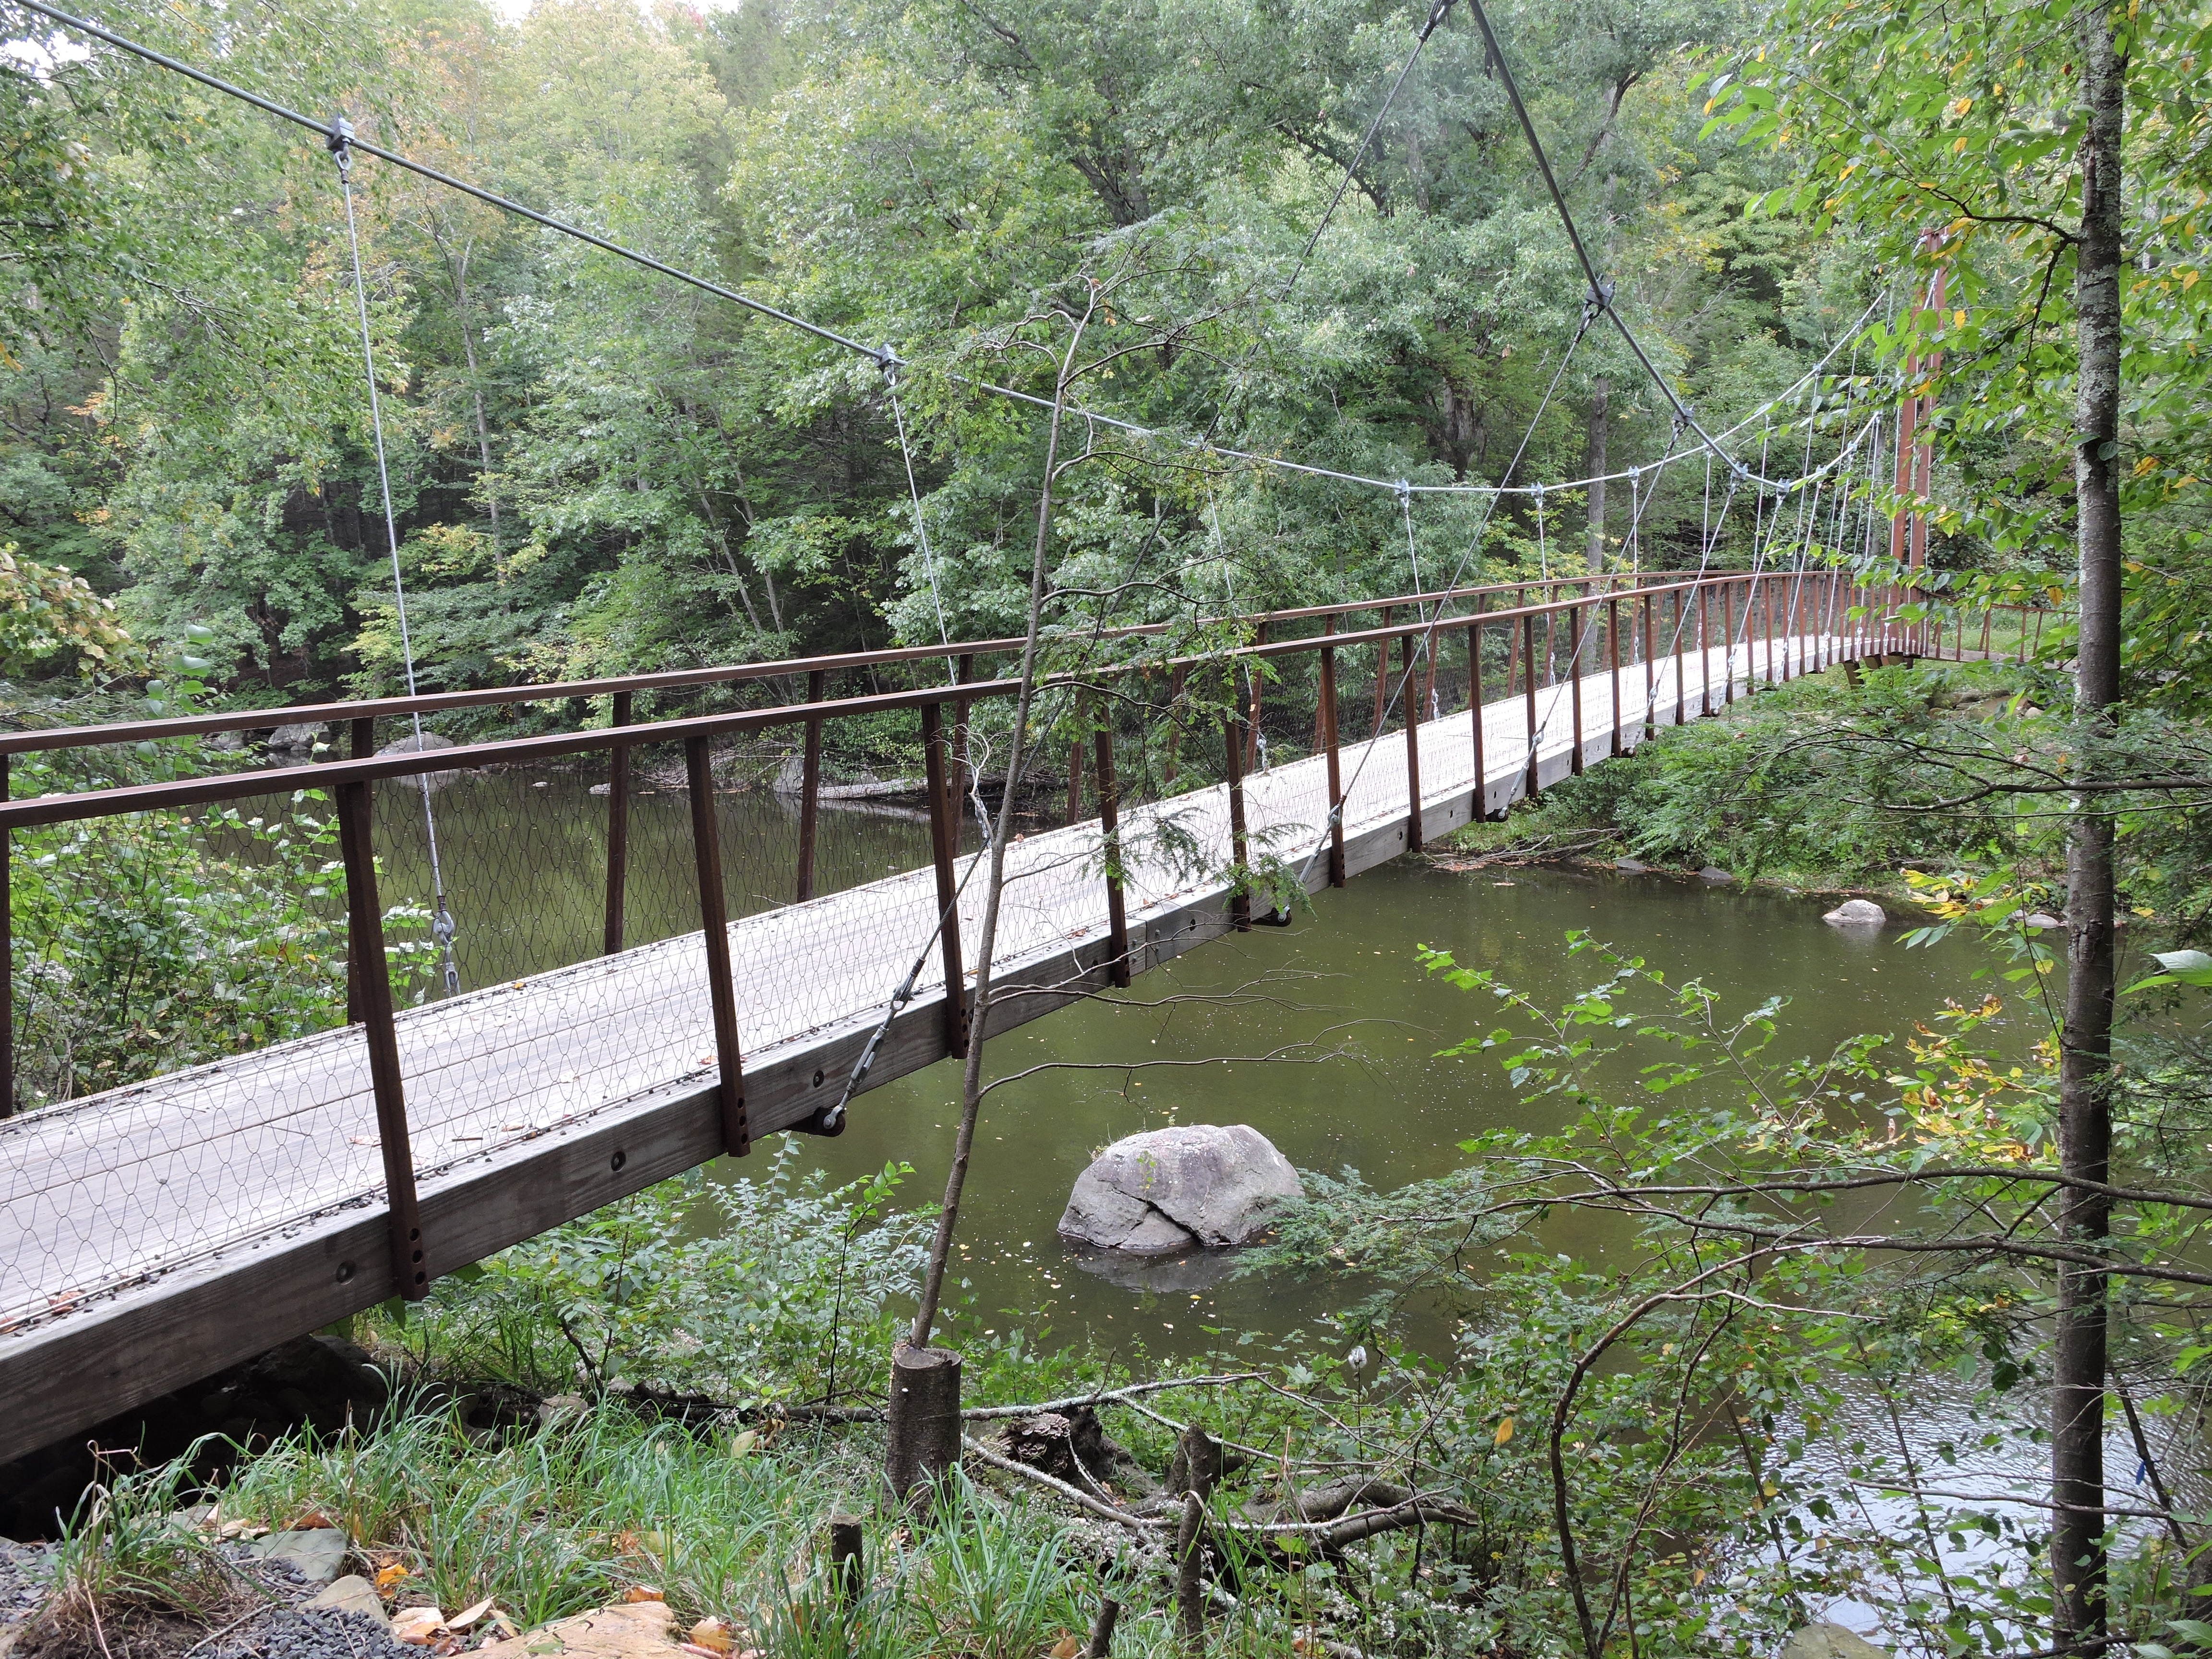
x=1785 y=623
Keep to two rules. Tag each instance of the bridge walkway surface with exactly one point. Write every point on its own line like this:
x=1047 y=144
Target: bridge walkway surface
x=153 y=1234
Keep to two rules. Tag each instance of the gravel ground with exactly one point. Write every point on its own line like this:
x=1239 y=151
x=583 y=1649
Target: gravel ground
x=23 y=1580
x=311 y=1633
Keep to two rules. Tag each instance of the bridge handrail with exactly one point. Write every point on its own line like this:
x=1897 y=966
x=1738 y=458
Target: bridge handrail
x=275 y=780
x=120 y=799
x=325 y=714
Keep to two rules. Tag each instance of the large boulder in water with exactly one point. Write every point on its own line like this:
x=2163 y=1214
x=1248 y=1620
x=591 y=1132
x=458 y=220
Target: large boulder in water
x=428 y=742
x=1857 y=913
x=1169 y=1189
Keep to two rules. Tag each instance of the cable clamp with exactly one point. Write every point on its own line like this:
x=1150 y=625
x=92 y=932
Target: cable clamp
x=1404 y=489
x=888 y=360
x=1437 y=14
x=337 y=138
x=1599 y=300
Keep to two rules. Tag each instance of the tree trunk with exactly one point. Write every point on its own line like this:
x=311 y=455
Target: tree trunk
x=1017 y=755
x=2085 y=1128
x=1600 y=390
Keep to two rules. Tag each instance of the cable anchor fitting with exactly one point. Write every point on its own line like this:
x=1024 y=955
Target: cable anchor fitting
x=889 y=361
x=337 y=138
x=1437 y=15
x=1598 y=300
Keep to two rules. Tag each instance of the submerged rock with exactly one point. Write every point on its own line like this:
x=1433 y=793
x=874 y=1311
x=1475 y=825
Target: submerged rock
x=1714 y=875
x=1163 y=1192
x=1829 y=1641
x=1857 y=913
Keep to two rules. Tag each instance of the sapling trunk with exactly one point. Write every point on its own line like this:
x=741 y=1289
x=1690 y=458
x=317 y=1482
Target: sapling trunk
x=916 y=1452
x=2085 y=1124
x=995 y=885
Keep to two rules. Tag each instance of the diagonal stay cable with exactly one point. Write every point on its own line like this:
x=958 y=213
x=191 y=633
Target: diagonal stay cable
x=1602 y=290
x=441 y=920
x=1350 y=168
x=506 y=204
x=1428 y=632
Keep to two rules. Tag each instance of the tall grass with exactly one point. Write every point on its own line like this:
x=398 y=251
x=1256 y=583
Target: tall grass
x=553 y=1520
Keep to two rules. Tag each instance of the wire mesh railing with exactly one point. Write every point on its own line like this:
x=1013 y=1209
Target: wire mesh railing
x=649 y=903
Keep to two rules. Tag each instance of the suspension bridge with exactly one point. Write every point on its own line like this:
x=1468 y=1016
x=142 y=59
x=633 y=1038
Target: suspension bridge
x=153 y=1234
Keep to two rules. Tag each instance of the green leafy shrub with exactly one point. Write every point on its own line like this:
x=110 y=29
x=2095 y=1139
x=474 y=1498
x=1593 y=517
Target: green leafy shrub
x=739 y=1291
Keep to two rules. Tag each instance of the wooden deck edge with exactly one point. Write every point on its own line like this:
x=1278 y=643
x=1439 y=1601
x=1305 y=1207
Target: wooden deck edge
x=62 y=1378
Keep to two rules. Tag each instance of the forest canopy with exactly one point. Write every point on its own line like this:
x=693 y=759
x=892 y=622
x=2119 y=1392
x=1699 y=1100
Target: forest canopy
x=598 y=469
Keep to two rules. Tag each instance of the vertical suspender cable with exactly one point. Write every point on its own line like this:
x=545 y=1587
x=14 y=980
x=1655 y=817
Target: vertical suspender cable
x=441 y=921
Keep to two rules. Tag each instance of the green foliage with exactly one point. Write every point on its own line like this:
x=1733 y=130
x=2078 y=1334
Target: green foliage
x=148 y=941
x=49 y=617
x=743 y=1292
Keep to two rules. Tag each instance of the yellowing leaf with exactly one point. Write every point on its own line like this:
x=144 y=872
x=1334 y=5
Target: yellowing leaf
x=714 y=1635
x=1504 y=1431
x=643 y=1593
x=469 y=1615
x=1067 y=1647
x=418 y=1626
x=387 y=1577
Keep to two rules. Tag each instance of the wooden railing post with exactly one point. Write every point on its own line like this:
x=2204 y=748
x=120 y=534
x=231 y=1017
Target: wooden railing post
x=1575 y=674
x=714 y=930
x=1109 y=836
x=1232 y=734
x=410 y=1275
x=1612 y=643
x=944 y=848
x=617 y=830
x=7 y=953
x=1481 y=809
x=1728 y=642
x=1528 y=687
x=1336 y=874
x=1410 y=690
x=1768 y=623
x=1259 y=681
x=360 y=744
x=810 y=786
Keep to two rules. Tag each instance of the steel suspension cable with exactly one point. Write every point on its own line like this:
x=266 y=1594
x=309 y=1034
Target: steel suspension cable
x=1601 y=289
x=441 y=920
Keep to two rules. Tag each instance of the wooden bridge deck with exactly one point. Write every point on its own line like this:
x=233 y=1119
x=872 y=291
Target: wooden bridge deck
x=152 y=1234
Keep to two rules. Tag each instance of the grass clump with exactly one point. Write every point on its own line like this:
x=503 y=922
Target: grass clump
x=553 y=1520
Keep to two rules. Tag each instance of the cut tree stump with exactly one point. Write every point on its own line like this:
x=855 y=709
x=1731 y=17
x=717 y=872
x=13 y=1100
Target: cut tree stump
x=921 y=1441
